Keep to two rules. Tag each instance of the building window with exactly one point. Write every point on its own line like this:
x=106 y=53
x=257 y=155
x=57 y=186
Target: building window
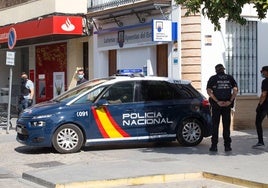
x=241 y=55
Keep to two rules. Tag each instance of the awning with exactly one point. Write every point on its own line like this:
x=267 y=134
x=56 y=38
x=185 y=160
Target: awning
x=45 y=29
x=112 y=12
x=107 y=10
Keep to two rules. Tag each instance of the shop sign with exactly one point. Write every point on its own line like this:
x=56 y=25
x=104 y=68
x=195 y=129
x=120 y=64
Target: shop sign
x=162 y=30
x=54 y=25
x=127 y=37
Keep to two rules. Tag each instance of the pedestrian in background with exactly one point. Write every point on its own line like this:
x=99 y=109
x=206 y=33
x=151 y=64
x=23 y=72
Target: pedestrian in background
x=262 y=108
x=222 y=90
x=27 y=92
x=81 y=78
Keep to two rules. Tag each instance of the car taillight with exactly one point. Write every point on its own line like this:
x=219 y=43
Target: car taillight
x=205 y=103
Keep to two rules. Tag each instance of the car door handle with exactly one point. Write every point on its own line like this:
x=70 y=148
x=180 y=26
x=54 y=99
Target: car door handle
x=130 y=110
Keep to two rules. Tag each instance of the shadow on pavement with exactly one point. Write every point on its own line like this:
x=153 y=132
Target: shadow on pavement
x=241 y=145
x=34 y=150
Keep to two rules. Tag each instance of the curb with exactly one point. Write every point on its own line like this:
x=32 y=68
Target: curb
x=165 y=178
x=233 y=180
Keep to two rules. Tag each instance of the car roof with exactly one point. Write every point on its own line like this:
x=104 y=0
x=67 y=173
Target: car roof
x=146 y=78
x=116 y=78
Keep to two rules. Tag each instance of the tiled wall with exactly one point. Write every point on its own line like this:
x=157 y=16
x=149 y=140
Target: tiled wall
x=191 y=48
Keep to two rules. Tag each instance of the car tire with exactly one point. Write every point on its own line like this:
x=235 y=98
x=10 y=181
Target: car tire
x=68 y=138
x=190 y=132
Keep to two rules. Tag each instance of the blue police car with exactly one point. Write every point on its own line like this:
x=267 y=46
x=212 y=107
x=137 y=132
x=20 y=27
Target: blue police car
x=117 y=109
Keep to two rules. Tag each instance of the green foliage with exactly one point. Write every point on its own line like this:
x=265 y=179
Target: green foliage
x=217 y=9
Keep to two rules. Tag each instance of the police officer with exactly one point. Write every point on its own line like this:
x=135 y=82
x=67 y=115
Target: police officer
x=262 y=108
x=27 y=92
x=222 y=90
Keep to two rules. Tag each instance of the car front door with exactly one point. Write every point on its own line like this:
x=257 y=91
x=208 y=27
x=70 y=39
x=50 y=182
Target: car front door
x=115 y=105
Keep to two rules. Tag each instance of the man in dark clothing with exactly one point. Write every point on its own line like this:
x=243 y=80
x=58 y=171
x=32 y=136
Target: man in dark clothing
x=81 y=78
x=27 y=92
x=222 y=90
x=262 y=108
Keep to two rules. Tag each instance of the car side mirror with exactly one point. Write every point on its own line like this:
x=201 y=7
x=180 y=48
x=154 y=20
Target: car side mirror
x=101 y=102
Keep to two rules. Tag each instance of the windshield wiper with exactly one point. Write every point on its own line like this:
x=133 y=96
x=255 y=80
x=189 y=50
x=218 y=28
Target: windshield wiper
x=55 y=100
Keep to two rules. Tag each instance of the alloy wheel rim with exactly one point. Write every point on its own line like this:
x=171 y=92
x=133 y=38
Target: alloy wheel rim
x=191 y=132
x=67 y=139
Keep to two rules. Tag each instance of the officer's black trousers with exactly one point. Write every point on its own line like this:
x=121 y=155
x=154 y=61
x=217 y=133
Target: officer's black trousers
x=217 y=113
x=258 y=122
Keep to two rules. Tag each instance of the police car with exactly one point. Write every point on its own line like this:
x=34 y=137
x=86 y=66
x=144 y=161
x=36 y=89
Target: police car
x=117 y=109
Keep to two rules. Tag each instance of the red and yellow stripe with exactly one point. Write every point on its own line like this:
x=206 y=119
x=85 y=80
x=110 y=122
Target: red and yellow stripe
x=107 y=125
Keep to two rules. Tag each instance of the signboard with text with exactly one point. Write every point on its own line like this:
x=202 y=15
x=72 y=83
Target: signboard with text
x=162 y=30
x=10 y=59
x=52 y=25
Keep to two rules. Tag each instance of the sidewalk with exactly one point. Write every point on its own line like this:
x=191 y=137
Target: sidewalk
x=243 y=166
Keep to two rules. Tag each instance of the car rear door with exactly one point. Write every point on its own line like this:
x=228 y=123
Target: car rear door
x=158 y=109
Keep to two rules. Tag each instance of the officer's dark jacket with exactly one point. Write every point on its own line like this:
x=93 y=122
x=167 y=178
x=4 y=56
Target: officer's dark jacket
x=222 y=84
x=264 y=87
x=80 y=81
x=24 y=90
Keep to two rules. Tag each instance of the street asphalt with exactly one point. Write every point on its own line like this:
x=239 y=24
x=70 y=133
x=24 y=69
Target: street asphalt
x=162 y=165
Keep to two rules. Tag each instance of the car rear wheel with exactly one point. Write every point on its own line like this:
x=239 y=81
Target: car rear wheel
x=190 y=132
x=68 y=139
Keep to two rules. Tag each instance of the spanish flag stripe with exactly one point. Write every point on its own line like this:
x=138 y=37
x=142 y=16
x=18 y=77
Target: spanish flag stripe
x=104 y=134
x=107 y=125
x=116 y=126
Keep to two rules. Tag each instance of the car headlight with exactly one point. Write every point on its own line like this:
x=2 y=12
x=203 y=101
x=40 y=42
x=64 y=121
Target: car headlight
x=37 y=122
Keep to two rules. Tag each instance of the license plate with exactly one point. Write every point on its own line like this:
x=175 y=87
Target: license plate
x=19 y=130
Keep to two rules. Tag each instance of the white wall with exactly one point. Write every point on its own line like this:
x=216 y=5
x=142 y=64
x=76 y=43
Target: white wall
x=211 y=54
x=100 y=64
x=214 y=54
x=74 y=60
x=37 y=8
x=262 y=49
x=136 y=58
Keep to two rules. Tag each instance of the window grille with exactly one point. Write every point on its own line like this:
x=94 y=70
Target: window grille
x=241 y=55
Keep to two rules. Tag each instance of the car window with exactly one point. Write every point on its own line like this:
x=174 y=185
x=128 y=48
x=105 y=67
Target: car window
x=157 y=90
x=72 y=93
x=187 y=91
x=91 y=96
x=119 y=93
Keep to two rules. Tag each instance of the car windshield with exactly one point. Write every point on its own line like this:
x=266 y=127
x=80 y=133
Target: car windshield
x=72 y=93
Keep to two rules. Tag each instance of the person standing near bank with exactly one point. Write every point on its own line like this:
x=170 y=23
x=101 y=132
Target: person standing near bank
x=27 y=92
x=262 y=108
x=81 y=78
x=222 y=90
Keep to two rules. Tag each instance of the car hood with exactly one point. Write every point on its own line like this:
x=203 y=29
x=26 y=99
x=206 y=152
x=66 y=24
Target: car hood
x=47 y=107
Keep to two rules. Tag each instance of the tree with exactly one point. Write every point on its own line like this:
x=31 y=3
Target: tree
x=229 y=9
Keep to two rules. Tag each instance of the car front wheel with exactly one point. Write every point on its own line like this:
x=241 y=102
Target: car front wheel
x=190 y=132
x=68 y=139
